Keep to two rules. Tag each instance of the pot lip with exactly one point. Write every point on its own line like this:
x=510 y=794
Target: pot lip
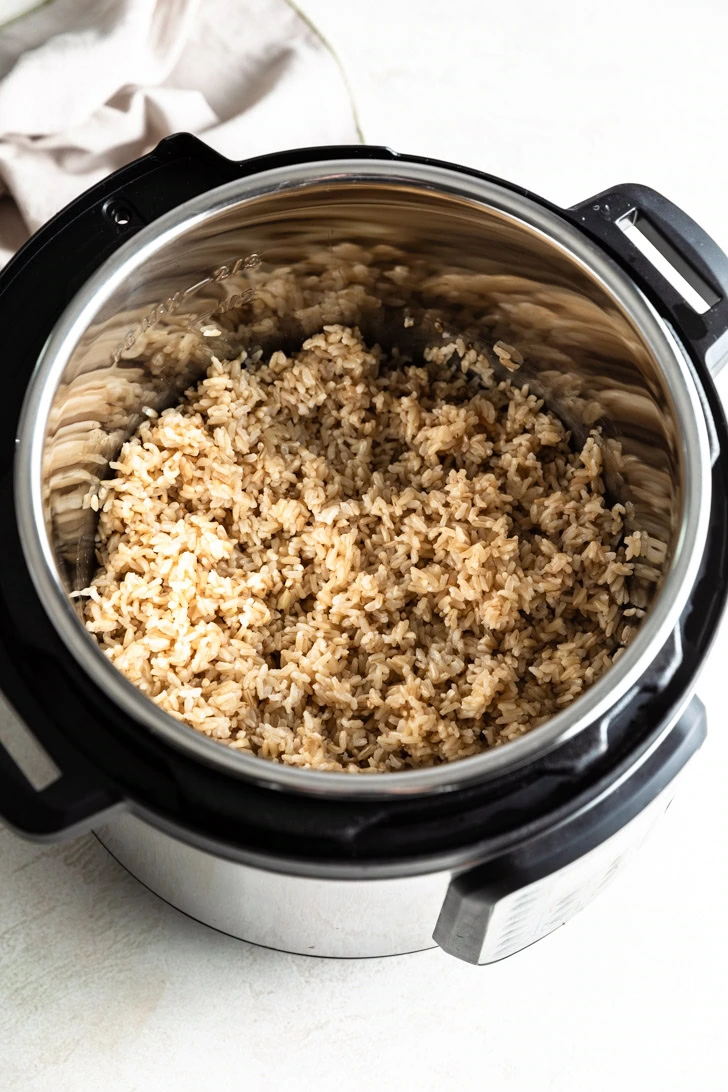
x=611 y=690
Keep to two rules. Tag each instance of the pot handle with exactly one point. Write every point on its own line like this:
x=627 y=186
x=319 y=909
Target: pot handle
x=67 y=805
x=498 y=908
x=640 y=228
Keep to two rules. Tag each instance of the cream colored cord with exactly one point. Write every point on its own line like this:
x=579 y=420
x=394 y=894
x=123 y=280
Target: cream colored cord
x=328 y=46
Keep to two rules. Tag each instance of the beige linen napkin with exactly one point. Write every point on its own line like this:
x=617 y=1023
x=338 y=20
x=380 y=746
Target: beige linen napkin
x=88 y=85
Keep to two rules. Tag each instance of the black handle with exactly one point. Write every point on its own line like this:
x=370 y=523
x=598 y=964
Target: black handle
x=500 y=907
x=69 y=803
x=67 y=806
x=684 y=244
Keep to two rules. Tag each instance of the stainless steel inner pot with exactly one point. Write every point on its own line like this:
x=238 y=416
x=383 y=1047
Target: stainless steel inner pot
x=272 y=257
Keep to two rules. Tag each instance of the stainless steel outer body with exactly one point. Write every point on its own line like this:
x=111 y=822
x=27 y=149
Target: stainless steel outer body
x=349 y=919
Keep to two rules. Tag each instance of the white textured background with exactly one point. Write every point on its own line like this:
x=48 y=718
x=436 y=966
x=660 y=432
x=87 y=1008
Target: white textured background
x=103 y=986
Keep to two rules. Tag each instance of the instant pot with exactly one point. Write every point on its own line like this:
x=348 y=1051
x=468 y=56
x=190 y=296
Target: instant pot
x=482 y=856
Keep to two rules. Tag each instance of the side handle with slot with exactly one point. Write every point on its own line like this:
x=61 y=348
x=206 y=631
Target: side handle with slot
x=682 y=270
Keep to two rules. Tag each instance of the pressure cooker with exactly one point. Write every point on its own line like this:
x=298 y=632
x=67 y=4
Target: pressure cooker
x=482 y=856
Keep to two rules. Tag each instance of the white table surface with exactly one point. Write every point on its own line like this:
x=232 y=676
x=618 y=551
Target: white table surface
x=102 y=986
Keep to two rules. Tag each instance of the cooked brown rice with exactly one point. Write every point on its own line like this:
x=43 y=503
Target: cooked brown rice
x=351 y=562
